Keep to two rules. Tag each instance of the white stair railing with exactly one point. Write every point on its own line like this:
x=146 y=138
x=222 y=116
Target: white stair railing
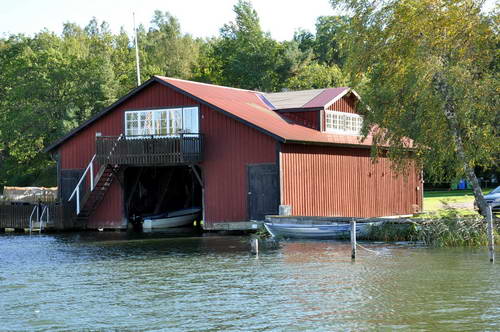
x=45 y=211
x=90 y=168
x=39 y=217
x=36 y=209
x=76 y=191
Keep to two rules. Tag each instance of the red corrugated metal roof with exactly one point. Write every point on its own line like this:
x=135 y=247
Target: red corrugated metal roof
x=326 y=97
x=247 y=106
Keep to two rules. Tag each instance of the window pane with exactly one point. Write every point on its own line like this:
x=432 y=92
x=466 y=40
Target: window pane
x=190 y=122
x=159 y=122
x=148 y=124
x=131 y=123
x=177 y=116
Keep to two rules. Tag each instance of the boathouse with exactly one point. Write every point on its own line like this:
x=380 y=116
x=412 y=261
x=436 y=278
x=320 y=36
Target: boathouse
x=239 y=154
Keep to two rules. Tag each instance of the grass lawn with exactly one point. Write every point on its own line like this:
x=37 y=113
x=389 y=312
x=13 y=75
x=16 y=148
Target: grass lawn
x=436 y=200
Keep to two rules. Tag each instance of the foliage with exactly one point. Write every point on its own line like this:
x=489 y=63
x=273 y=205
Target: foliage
x=165 y=50
x=49 y=84
x=316 y=76
x=448 y=228
x=325 y=44
x=451 y=230
x=432 y=73
x=246 y=57
x=391 y=232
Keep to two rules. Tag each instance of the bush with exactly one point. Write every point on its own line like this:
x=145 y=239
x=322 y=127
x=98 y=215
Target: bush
x=447 y=229
x=455 y=232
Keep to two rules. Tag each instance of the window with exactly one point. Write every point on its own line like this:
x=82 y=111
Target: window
x=161 y=122
x=190 y=120
x=345 y=123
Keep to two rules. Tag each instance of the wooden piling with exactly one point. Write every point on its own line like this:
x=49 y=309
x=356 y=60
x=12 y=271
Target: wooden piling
x=353 y=239
x=491 y=240
x=255 y=246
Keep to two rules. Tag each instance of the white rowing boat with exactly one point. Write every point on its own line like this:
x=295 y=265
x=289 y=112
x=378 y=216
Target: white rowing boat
x=171 y=219
x=316 y=231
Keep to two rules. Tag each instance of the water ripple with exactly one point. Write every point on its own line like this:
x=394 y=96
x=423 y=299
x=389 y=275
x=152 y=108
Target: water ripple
x=114 y=282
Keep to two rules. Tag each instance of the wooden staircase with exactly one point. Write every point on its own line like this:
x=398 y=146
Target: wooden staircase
x=93 y=198
x=99 y=186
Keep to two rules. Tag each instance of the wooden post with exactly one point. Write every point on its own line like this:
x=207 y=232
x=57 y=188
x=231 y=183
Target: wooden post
x=255 y=246
x=353 y=239
x=491 y=239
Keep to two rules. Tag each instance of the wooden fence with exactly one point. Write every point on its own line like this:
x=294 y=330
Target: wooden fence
x=17 y=216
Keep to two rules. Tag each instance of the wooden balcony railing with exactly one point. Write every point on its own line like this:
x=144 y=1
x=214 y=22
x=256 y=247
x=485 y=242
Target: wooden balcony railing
x=178 y=149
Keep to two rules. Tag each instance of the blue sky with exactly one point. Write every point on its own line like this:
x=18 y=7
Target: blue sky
x=197 y=17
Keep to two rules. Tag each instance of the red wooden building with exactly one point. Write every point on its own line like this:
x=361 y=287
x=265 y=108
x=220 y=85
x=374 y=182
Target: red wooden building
x=239 y=154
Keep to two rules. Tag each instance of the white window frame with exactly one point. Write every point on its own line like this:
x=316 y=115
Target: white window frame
x=343 y=123
x=173 y=126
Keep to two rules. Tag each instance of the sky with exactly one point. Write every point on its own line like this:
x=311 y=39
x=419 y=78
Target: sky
x=200 y=18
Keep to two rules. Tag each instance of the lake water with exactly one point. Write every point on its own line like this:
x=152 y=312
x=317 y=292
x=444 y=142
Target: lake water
x=115 y=281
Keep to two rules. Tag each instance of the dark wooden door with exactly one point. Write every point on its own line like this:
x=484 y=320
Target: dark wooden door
x=263 y=190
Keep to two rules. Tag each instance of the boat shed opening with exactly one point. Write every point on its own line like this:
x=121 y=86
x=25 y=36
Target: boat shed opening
x=151 y=191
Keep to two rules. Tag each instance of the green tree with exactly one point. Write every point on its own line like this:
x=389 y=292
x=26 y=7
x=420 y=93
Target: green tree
x=48 y=85
x=245 y=56
x=123 y=61
x=327 y=46
x=166 y=51
x=207 y=68
x=325 y=43
x=317 y=76
x=30 y=111
x=432 y=76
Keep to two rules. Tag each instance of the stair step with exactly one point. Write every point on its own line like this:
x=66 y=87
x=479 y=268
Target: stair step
x=96 y=196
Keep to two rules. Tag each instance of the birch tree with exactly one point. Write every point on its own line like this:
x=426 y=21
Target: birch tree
x=430 y=73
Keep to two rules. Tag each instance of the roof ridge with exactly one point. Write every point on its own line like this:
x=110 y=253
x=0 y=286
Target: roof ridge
x=292 y=91
x=165 y=78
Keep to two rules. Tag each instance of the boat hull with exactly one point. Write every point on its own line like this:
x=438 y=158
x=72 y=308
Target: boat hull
x=321 y=232
x=173 y=219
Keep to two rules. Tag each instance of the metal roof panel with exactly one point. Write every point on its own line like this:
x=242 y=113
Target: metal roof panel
x=249 y=107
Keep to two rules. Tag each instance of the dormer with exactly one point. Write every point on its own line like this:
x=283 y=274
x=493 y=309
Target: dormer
x=330 y=110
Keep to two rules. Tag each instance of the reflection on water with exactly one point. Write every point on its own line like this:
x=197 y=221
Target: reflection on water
x=149 y=282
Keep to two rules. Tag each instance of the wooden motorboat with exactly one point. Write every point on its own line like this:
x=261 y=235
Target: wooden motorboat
x=335 y=230
x=171 y=219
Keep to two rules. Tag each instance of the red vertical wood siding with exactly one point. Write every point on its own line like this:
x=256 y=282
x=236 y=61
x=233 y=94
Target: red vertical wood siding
x=334 y=181
x=345 y=104
x=308 y=119
x=229 y=147
x=109 y=214
x=77 y=151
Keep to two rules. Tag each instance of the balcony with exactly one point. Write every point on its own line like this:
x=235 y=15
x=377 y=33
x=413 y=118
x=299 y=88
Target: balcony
x=181 y=149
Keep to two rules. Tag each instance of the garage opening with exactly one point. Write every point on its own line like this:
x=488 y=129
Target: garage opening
x=157 y=192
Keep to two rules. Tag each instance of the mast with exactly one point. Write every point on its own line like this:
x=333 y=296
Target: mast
x=138 y=69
